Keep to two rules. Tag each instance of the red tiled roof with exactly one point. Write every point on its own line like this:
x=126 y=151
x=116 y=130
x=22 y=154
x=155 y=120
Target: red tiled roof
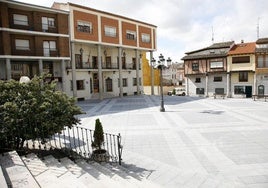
x=243 y=48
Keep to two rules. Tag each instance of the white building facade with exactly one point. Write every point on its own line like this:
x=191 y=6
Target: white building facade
x=106 y=52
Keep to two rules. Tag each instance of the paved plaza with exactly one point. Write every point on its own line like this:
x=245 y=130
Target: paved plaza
x=197 y=142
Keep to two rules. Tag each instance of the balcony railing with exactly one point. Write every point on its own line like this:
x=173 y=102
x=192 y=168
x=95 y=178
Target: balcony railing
x=39 y=27
x=36 y=52
x=86 y=65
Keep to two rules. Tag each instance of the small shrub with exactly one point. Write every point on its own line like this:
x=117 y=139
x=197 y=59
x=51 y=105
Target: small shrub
x=98 y=135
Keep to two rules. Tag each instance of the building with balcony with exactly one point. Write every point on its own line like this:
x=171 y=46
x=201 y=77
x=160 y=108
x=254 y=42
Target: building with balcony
x=261 y=53
x=206 y=70
x=33 y=40
x=241 y=70
x=106 y=51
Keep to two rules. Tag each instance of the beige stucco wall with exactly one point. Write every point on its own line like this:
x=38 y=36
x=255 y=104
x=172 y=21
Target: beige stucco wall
x=240 y=66
x=235 y=78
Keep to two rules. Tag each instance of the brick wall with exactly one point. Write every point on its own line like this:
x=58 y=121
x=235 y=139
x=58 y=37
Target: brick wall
x=93 y=19
x=108 y=22
x=131 y=27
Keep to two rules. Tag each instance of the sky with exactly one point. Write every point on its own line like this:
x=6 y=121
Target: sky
x=188 y=25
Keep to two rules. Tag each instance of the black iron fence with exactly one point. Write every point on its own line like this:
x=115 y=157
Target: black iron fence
x=75 y=141
x=87 y=65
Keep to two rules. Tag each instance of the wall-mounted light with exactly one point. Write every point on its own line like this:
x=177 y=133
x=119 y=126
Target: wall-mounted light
x=88 y=72
x=105 y=53
x=81 y=51
x=123 y=53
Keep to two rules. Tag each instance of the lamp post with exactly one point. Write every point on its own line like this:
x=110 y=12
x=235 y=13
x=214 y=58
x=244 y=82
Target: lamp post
x=160 y=64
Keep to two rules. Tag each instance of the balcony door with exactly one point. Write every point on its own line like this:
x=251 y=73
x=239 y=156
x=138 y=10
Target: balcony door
x=44 y=24
x=46 y=48
x=96 y=82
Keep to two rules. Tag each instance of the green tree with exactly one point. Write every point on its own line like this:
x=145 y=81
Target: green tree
x=33 y=110
x=98 y=135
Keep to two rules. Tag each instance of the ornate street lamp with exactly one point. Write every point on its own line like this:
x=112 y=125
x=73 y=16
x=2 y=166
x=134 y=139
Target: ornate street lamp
x=160 y=64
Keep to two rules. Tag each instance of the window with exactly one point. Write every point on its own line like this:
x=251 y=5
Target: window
x=216 y=64
x=49 y=46
x=134 y=81
x=19 y=19
x=110 y=31
x=200 y=91
x=145 y=38
x=124 y=82
x=260 y=63
x=195 y=66
x=108 y=62
x=47 y=22
x=241 y=59
x=51 y=22
x=261 y=45
x=243 y=76
x=217 y=78
x=197 y=80
x=219 y=90
x=109 y=84
x=131 y=35
x=22 y=44
x=123 y=62
x=78 y=61
x=134 y=63
x=83 y=26
x=239 y=90
x=79 y=84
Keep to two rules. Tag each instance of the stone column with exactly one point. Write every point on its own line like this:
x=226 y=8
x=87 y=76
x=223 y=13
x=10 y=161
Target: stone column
x=228 y=84
x=152 y=73
x=73 y=70
x=254 y=84
x=137 y=71
x=206 y=84
x=63 y=75
x=100 y=73
x=120 y=72
x=8 y=69
x=40 y=66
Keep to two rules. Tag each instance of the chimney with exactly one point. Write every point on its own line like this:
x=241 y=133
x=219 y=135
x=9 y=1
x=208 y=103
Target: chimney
x=242 y=41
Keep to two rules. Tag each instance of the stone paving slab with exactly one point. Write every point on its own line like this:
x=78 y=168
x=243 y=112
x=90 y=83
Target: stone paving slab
x=197 y=142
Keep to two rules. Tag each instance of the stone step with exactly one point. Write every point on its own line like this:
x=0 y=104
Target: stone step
x=3 y=183
x=18 y=174
x=81 y=174
x=64 y=177
x=40 y=171
x=129 y=182
x=102 y=178
x=132 y=177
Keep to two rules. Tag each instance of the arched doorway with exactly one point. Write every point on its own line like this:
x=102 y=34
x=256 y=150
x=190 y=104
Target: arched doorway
x=261 y=90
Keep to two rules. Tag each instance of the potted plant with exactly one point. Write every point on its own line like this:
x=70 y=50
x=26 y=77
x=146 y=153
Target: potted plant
x=99 y=154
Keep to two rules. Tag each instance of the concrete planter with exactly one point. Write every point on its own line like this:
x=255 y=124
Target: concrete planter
x=100 y=155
